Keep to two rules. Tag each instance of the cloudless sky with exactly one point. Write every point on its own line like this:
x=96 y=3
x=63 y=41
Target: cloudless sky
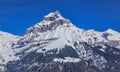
x=18 y=15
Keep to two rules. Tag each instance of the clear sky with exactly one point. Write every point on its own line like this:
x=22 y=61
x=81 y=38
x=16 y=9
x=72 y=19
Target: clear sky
x=18 y=15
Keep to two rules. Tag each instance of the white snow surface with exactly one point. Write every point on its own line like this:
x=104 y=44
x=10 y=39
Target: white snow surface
x=66 y=59
x=6 y=51
x=113 y=35
x=58 y=44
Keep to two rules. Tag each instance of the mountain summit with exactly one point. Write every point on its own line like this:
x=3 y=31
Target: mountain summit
x=57 y=45
x=53 y=15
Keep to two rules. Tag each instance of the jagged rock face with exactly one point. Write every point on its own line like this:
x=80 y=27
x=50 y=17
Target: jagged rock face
x=56 y=45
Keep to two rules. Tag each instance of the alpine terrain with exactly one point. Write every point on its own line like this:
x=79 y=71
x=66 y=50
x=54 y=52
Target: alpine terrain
x=57 y=45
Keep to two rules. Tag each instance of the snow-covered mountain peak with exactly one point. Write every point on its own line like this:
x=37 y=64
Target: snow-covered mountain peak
x=111 y=31
x=52 y=16
x=55 y=40
x=55 y=26
x=112 y=34
x=50 y=22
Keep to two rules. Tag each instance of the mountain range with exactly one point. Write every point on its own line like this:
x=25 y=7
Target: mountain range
x=56 y=45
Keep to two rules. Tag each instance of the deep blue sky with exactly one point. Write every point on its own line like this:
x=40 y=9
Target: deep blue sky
x=17 y=15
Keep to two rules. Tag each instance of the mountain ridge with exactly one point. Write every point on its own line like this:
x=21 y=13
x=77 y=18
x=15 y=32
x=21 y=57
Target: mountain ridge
x=55 y=44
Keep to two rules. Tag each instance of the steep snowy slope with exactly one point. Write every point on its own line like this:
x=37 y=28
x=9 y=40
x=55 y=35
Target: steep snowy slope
x=6 y=52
